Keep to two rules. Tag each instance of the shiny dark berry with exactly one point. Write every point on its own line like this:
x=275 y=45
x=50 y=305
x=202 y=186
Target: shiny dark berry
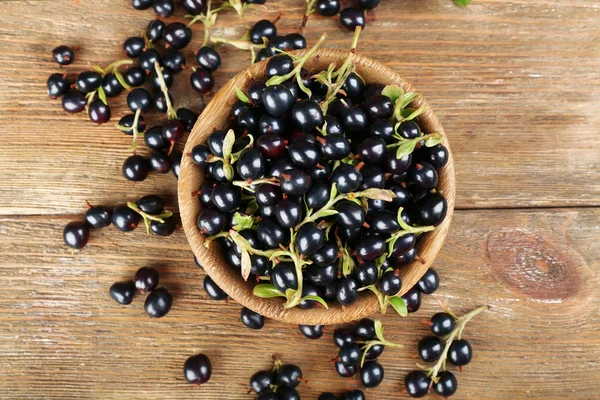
x=202 y=81
x=353 y=395
x=194 y=7
x=429 y=283
x=167 y=77
x=211 y=221
x=261 y=381
x=442 y=324
x=430 y=348
x=173 y=130
x=338 y=106
x=318 y=195
x=284 y=276
x=354 y=121
x=286 y=393
x=166 y=8
x=111 y=85
x=88 y=81
x=158 y=303
x=251 y=165
x=334 y=147
x=409 y=130
x=346 y=177
x=365 y=329
x=216 y=171
x=187 y=117
x=98 y=217
x=208 y=58
x=278 y=43
x=215 y=142
x=371 y=374
x=226 y=197
x=417 y=383
x=309 y=238
x=307 y=115
x=321 y=275
x=311 y=331
x=372 y=150
x=174 y=60
x=373 y=177
x=271 y=234
x=135 y=168
x=197 y=369
x=296 y=40
x=267 y=195
x=412 y=298
x=288 y=213
x=350 y=354
x=327 y=396
x=431 y=209
x=150 y=204
x=175 y=157
x=261 y=55
x=141 y=4
x=237 y=108
x=351 y=17
x=385 y=222
x=347 y=291
x=368 y=4
x=328 y=8
x=460 y=353
x=280 y=64
x=288 y=375
x=334 y=126
x=76 y=234
x=345 y=371
x=155 y=29
x=327 y=254
x=378 y=107
x=122 y=292
x=446 y=385
x=395 y=165
x=200 y=154
x=277 y=100
x=165 y=228
x=148 y=58
x=371 y=247
x=139 y=98
x=251 y=319
x=63 y=55
x=99 y=112
x=279 y=167
x=350 y=214
x=125 y=219
x=273 y=127
x=303 y=154
x=57 y=85
x=374 y=352
x=384 y=129
x=366 y=274
x=135 y=76
x=263 y=28
x=423 y=175
x=160 y=102
x=159 y=162
x=295 y=182
x=436 y=155
x=354 y=87
x=134 y=46
x=343 y=337
x=390 y=283
x=247 y=121
x=146 y=279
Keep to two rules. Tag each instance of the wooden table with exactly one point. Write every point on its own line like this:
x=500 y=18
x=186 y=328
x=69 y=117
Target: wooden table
x=517 y=87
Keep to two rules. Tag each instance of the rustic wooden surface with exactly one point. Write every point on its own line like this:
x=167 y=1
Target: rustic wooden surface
x=517 y=87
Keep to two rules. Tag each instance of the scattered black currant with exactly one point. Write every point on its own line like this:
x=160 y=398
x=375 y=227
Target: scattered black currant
x=122 y=292
x=88 y=81
x=202 y=80
x=429 y=283
x=263 y=28
x=328 y=8
x=371 y=374
x=368 y=4
x=194 y=7
x=158 y=303
x=125 y=219
x=261 y=381
x=311 y=331
x=197 y=369
x=288 y=375
x=135 y=168
x=76 y=234
x=446 y=385
x=111 y=85
x=155 y=30
x=134 y=77
x=442 y=324
x=134 y=46
x=251 y=319
x=208 y=58
x=460 y=353
x=98 y=217
x=99 y=112
x=430 y=348
x=57 y=85
x=63 y=55
x=165 y=8
x=417 y=384
x=141 y=4
x=146 y=279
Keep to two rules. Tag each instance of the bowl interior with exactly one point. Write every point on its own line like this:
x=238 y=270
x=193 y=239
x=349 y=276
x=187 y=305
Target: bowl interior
x=216 y=115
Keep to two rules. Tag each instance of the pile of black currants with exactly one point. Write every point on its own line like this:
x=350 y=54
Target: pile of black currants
x=159 y=300
x=125 y=218
x=323 y=185
x=278 y=383
x=448 y=328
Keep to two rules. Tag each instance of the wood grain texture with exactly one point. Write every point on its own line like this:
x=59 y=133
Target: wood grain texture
x=516 y=85
x=61 y=336
x=217 y=115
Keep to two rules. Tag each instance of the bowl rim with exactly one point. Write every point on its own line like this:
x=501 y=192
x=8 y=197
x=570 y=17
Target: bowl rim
x=191 y=177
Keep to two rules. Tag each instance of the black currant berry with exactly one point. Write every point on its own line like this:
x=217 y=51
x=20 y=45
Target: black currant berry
x=135 y=76
x=175 y=157
x=374 y=352
x=166 y=8
x=194 y=7
x=460 y=353
x=378 y=107
x=430 y=348
x=98 y=217
x=412 y=298
x=155 y=30
x=271 y=234
x=353 y=395
x=74 y=102
x=150 y=204
x=122 y=292
x=125 y=219
x=88 y=81
x=366 y=274
x=211 y=221
x=147 y=60
x=57 y=85
x=368 y=4
x=146 y=279
x=278 y=43
x=251 y=165
x=311 y=331
x=139 y=98
x=343 y=337
x=267 y=195
x=76 y=234
x=318 y=195
x=251 y=319
x=446 y=385
x=384 y=129
x=208 y=58
x=295 y=182
x=141 y=4
x=371 y=374
x=409 y=130
x=226 y=197
x=174 y=61
x=390 y=283
x=345 y=371
x=160 y=102
x=158 y=303
x=286 y=393
x=350 y=214
x=297 y=40
x=99 y=112
x=385 y=222
x=431 y=209
x=280 y=64
x=187 y=117
x=303 y=154
x=135 y=168
x=334 y=147
x=371 y=247
x=442 y=324
x=350 y=355
x=288 y=213
x=327 y=396
x=307 y=115
x=429 y=283
x=423 y=175
x=63 y=55
x=202 y=80
x=321 y=276
x=417 y=383
x=328 y=8
x=277 y=100
x=346 y=177
x=365 y=329
x=134 y=46
x=263 y=28
x=351 y=17
x=309 y=238
x=111 y=85
x=197 y=369
x=165 y=228
x=284 y=277
x=347 y=291
x=288 y=375
x=261 y=381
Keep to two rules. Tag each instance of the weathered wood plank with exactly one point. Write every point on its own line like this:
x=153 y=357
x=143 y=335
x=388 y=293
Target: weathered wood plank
x=62 y=336
x=517 y=86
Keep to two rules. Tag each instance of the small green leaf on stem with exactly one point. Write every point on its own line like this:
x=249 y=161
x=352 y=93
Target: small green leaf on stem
x=98 y=69
x=399 y=305
x=246 y=265
x=102 y=95
x=406 y=99
x=228 y=144
x=317 y=299
x=434 y=139
x=241 y=222
x=406 y=148
x=121 y=80
x=267 y=291
x=412 y=114
x=379 y=330
x=241 y=95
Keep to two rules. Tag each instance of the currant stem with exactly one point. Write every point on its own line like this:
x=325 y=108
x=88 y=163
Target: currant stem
x=111 y=67
x=297 y=298
x=460 y=325
x=134 y=128
x=270 y=181
x=310 y=8
x=148 y=217
x=163 y=87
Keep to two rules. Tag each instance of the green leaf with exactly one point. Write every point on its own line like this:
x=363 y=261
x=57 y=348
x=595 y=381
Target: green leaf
x=246 y=264
x=302 y=86
x=406 y=148
x=334 y=192
x=98 y=69
x=415 y=114
x=275 y=80
x=393 y=92
x=434 y=139
x=462 y=3
x=241 y=95
x=228 y=145
x=379 y=330
x=228 y=170
x=121 y=80
x=399 y=305
x=252 y=207
x=407 y=98
x=267 y=291
x=241 y=222
x=317 y=299
x=391 y=244
x=327 y=213
x=102 y=95
x=377 y=194
x=403 y=225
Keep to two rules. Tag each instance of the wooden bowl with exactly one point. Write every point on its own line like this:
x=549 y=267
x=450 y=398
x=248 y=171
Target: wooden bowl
x=216 y=115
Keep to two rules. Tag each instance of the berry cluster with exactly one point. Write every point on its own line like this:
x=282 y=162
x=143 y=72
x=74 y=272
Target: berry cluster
x=359 y=348
x=448 y=328
x=313 y=204
x=350 y=17
x=278 y=383
x=125 y=218
x=159 y=300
